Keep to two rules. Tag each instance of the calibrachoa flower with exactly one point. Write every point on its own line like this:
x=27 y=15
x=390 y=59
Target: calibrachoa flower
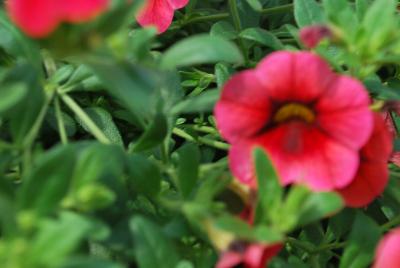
x=248 y=255
x=311 y=121
x=311 y=36
x=388 y=251
x=159 y=13
x=373 y=174
x=39 y=18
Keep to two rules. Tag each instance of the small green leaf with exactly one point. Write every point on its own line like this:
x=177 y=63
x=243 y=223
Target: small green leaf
x=153 y=248
x=144 y=176
x=318 y=206
x=105 y=122
x=188 y=168
x=153 y=135
x=270 y=192
x=255 y=4
x=11 y=95
x=263 y=37
x=48 y=182
x=204 y=102
x=363 y=238
x=201 y=49
x=223 y=29
x=308 y=12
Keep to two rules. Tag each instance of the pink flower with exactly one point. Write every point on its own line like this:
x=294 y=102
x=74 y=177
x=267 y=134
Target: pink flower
x=39 y=18
x=388 y=251
x=159 y=13
x=311 y=36
x=248 y=255
x=373 y=174
x=311 y=121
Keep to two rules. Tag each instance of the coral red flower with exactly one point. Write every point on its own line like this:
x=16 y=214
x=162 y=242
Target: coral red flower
x=159 y=13
x=311 y=121
x=373 y=174
x=392 y=107
x=39 y=18
x=248 y=255
x=311 y=36
x=388 y=251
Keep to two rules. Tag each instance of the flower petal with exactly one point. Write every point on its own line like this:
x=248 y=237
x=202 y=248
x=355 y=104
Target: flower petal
x=229 y=259
x=158 y=13
x=79 y=11
x=176 y=4
x=303 y=154
x=388 y=251
x=372 y=175
x=294 y=76
x=37 y=18
x=343 y=112
x=369 y=183
x=258 y=255
x=244 y=107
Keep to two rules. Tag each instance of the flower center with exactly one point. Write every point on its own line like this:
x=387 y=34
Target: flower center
x=294 y=111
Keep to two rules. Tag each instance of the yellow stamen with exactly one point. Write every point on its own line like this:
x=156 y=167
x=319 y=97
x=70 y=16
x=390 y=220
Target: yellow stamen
x=294 y=111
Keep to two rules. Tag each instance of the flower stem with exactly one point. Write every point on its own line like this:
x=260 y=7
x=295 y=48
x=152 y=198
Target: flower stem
x=390 y=224
x=60 y=122
x=213 y=143
x=222 y=16
x=92 y=127
x=238 y=26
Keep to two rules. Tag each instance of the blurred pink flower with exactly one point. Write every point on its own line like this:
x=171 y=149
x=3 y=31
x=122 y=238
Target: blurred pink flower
x=39 y=18
x=311 y=121
x=248 y=255
x=311 y=36
x=373 y=175
x=159 y=13
x=388 y=251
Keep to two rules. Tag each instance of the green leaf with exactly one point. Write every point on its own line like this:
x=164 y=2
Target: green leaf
x=88 y=262
x=105 y=122
x=144 y=176
x=201 y=49
x=363 y=238
x=11 y=95
x=153 y=135
x=222 y=73
x=204 y=102
x=15 y=43
x=263 y=37
x=318 y=206
x=132 y=85
x=153 y=248
x=48 y=182
x=270 y=192
x=308 y=12
x=188 y=168
x=223 y=29
x=48 y=238
x=255 y=4
x=379 y=23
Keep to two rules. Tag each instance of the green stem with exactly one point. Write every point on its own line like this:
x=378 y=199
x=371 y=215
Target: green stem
x=205 y=129
x=222 y=16
x=60 y=123
x=213 y=143
x=87 y=121
x=33 y=132
x=238 y=26
x=390 y=224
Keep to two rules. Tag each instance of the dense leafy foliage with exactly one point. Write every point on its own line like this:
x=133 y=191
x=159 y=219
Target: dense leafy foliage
x=110 y=155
